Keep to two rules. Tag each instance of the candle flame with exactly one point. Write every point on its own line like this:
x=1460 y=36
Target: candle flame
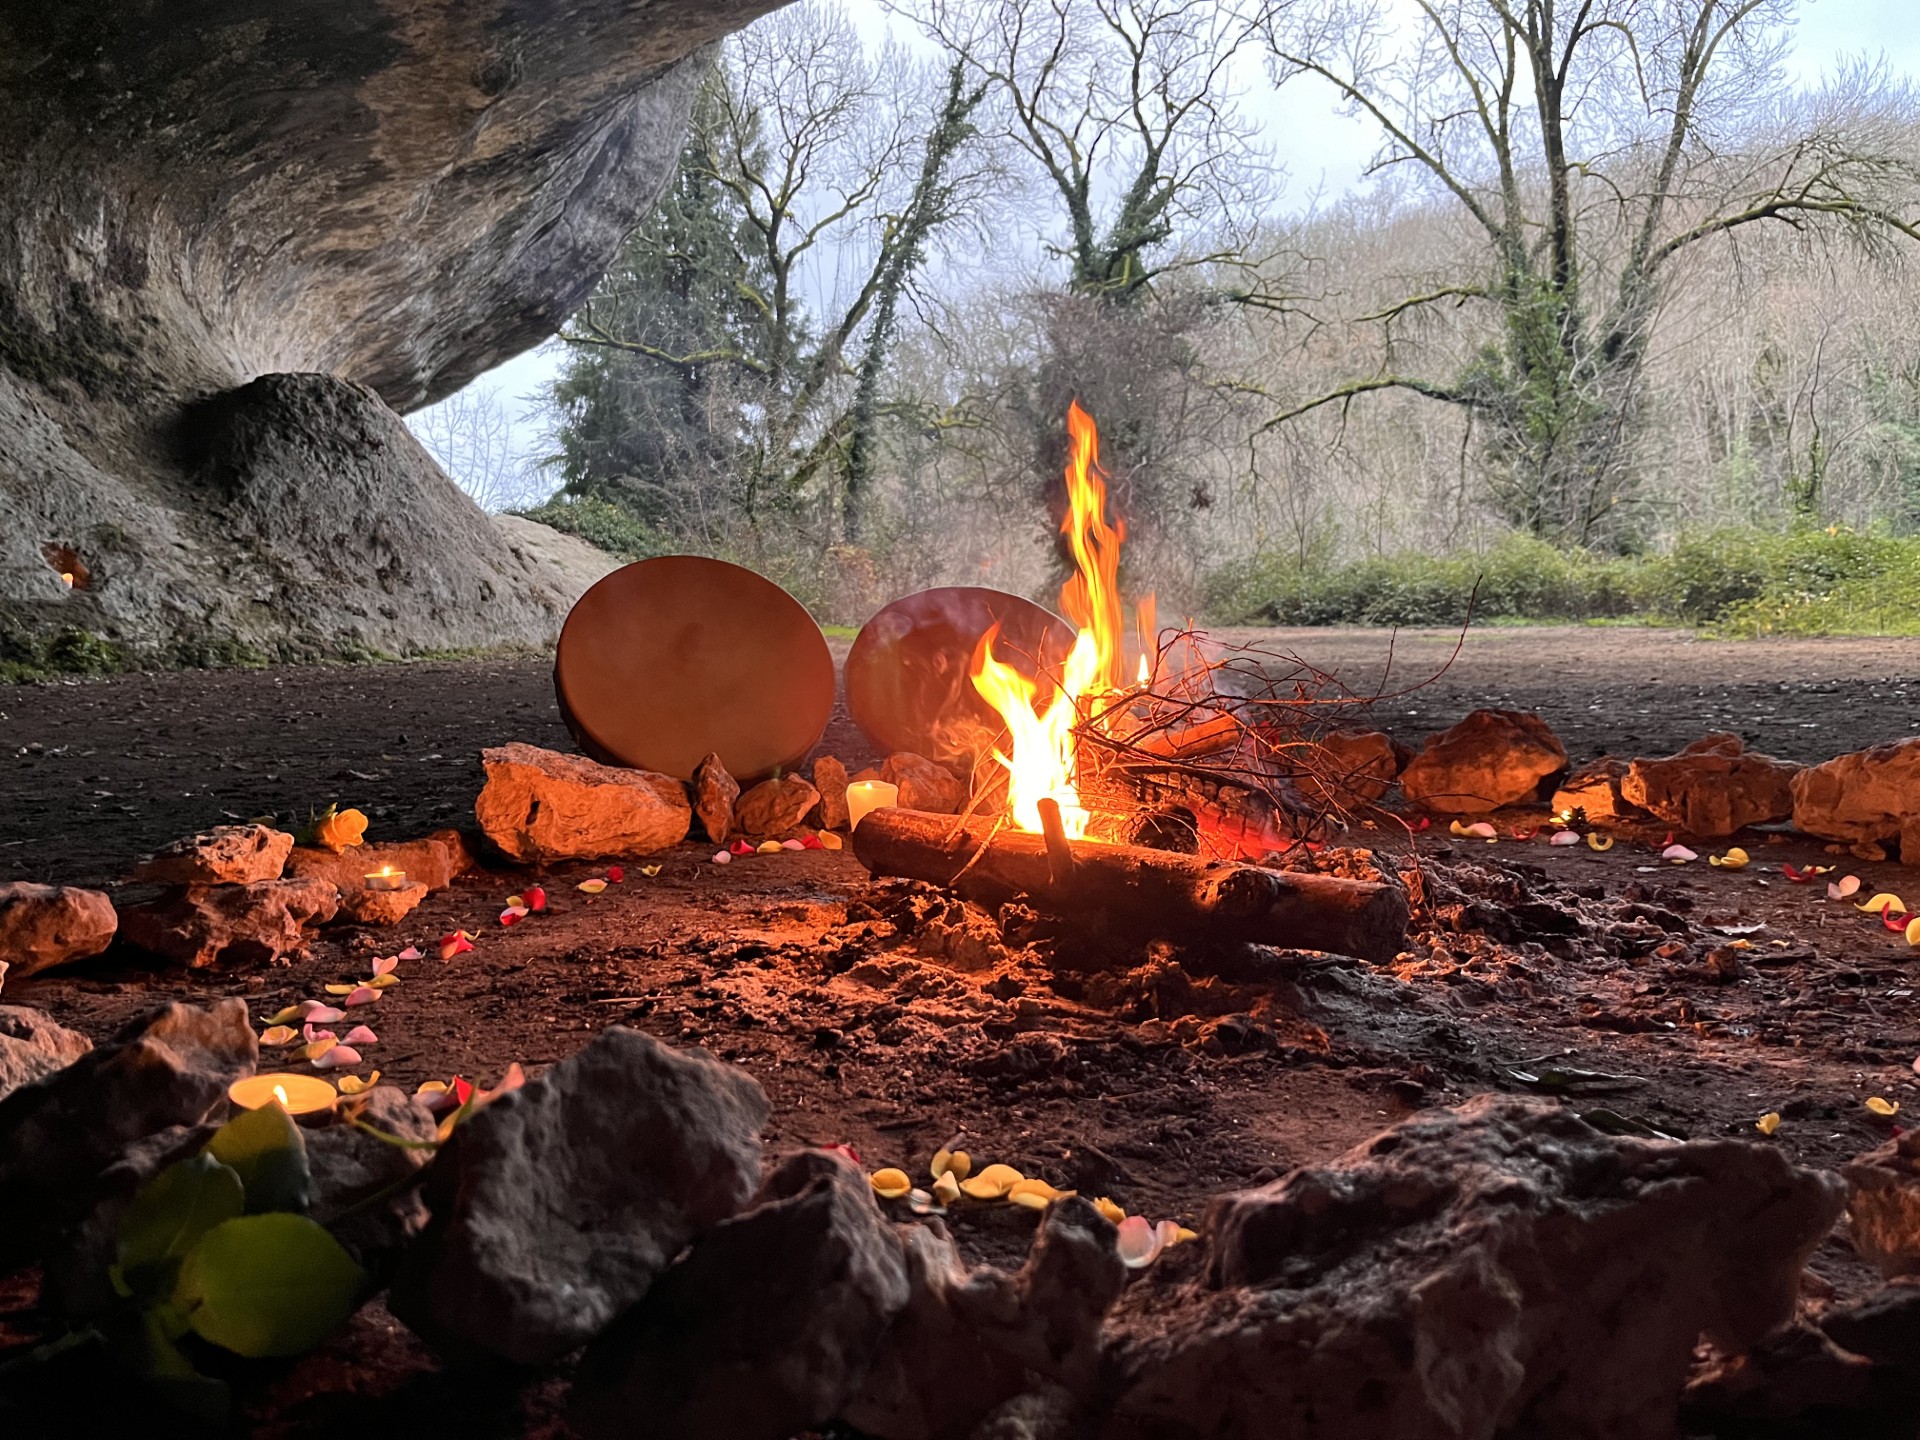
x=66 y=578
x=280 y=1094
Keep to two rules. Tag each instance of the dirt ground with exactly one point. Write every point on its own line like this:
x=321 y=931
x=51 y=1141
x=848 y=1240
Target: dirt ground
x=1690 y=1000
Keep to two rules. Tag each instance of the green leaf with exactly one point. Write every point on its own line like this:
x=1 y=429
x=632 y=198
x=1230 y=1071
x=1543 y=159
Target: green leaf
x=268 y=1152
x=156 y=1358
x=168 y=1217
x=273 y=1284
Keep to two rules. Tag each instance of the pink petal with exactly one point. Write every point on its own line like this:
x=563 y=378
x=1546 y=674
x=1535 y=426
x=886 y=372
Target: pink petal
x=310 y=1034
x=1139 y=1242
x=791 y=845
x=513 y=914
x=340 y=1057
x=386 y=966
x=363 y=995
x=361 y=1035
x=722 y=857
x=412 y=952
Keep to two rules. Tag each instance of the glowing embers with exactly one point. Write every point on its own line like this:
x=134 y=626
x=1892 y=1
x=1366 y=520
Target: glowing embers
x=1041 y=759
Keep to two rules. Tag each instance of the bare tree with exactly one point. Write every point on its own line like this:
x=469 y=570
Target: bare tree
x=1592 y=145
x=471 y=435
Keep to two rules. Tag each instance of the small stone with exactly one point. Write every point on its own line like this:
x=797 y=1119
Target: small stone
x=1348 y=767
x=1713 y=788
x=539 y=805
x=232 y=924
x=557 y=1205
x=382 y=907
x=716 y=792
x=435 y=861
x=42 y=926
x=924 y=784
x=350 y=1167
x=774 y=806
x=33 y=1046
x=224 y=855
x=1490 y=759
x=830 y=779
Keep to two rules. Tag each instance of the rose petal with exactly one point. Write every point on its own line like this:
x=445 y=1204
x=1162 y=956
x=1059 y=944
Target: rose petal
x=1768 y=1123
x=279 y=1035
x=650 y=870
x=292 y=1012
x=386 y=966
x=347 y=989
x=829 y=841
x=313 y=1032
x=811 y=842
x=890 y=1184
x=1565 y=837
x=946 y=1189
x=514 y=914
x=1678 y=854
x=722 y=857
x=791 y=845
x=1114 y=1213
x=1883 y=1107
x=616 y=874
x=992 y=1183
x=956 y=1162
x=384 y=982
x=1882 y=901
x=1597 y=841
x=454 y=944
x=591 y=887
x=1139 y=1242
x=1734 y=859
x=324 y=1015
x=1845 y=886
x=361 y=1035
x=768 y=847
x=740 y=847
x=337 y=1057
x=318 y=1048
x=354 y=1085
x=364 y=995
x=412 y=952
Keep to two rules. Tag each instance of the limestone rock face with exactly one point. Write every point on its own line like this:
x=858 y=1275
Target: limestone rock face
x=397 y=193
x=556 y=1206
x=33 y=1046
x=1491 y=758
x=1497 y=1269
x=238 y=924
x=225 y=855
x=1866 y=797
x=540 y=805
x=1712 y=788
x=46 y=925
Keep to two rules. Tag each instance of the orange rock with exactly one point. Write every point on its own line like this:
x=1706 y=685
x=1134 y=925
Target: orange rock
x=541 y=805
x=775 y=806
x=1712 y=788
x=224 y=855
x=382 y=907
x=924 y=784
x=46 y=925
x=830 y=779
x=432 y=861
x=243 y=924
x=715 y=794
x=1491 y=758
x=1349 y=766
x=1868 y=797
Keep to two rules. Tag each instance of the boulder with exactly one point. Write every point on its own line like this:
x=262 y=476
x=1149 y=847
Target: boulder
x=1595 y=788
x=1713 y=788
x=455 y=183
x=539 y=806
x=1490 y=759
x=435 y=861
x=1344 y=768
x=1883 y=1205
x=716 y=793
x=557 y=1205
x=382 y=907
x=232 y=924
x=224 y=855
x=924 y=784
x=42 y=926
x=170 y=1068
x=830 y=779
x=765 y=1328
x=350 y=1167
x=1497 y=1269
x=33 y=1046
x=972 y=1343
x=775 y=806
x=1867 y=797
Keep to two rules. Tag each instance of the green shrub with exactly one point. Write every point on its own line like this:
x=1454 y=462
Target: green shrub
x=603 y=524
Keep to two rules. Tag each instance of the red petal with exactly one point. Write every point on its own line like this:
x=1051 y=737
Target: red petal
x=811 y=842
x=1893 y=919
x=741 y=847
x=535 y=896
x=616 y=874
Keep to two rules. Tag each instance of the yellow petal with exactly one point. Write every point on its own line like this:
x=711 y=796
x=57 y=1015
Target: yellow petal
x=829 y=840
x=769 y=847
x=992 y=1182
x=279 y=1035
x=1883 y=1107
x=1035 y=1194
x=591 y=887
x=1883 y=901
x=1768 y=1123
x=432 y=1087
x=1597 y=841
x=1913 y=931
x=516 y=902
x=649 y=870
x=957 y=1161
x=292 y=1012
x=1734 y=859
x=318 y=1048
x=1107 y=1208
x=353 y=1084
x=946 y=1189
x=1183 y=1235
x=341 y=989
x=891 y=1184
x=383 y=982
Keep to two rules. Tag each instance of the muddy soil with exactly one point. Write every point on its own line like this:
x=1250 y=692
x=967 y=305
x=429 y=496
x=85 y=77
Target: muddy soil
x=1687 y=1000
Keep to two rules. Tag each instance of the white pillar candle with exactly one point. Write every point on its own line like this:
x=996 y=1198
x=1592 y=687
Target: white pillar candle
x=865 y=795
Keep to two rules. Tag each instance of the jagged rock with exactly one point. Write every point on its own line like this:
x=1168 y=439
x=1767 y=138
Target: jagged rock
x=350 y=1166
x=224 y=855
x=32 y=1046
x=1501 y=1268
x=382 y=907
x=1714 y=787
x=924 y=784
x=42 y=926
x=774 y=807
x=1789 y=1379
x=1884 y=1327
x=1867 y=797
x=232 y=924
x=766 y=1326
x=1351 y=767
x=1491 y=758
x=436 y=861
x=971 y=1342
x=1883 y=1206
x=170 y=1068
x=1595 y=788
x=539 y=805
x=455 y=184
x=716 y=793
x=830 y=779
x=556 y=1206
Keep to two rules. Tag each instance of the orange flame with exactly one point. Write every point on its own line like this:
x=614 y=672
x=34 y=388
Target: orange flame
x=1043 y=754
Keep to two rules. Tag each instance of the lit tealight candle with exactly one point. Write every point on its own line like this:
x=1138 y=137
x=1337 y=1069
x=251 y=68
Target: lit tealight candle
x=296 y=1094
x=867 y=795
x=387 y=878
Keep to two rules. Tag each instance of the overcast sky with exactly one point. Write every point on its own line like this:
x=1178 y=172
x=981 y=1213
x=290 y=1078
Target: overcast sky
x=1323 y=152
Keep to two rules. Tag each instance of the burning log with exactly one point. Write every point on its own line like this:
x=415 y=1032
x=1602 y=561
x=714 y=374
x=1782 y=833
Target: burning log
x=1150 y=892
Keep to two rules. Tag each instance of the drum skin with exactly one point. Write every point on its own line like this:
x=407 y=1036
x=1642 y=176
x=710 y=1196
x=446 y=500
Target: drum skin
x=668 y=660
x=908 y=685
